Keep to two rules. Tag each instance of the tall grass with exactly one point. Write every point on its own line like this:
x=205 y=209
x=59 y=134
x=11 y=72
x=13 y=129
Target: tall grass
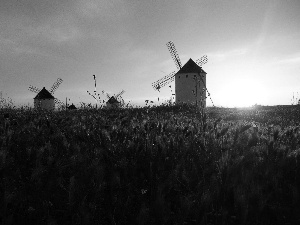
x=157 y=165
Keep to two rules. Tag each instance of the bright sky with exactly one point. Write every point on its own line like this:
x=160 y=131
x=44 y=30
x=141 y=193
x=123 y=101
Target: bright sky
x=253 y=48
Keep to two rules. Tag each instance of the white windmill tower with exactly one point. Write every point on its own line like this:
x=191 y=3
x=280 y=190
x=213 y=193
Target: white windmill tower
x=190 y=79
x=44 y=98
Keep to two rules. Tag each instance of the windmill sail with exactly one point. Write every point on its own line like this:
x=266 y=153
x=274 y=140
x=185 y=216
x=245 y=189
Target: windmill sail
x=55 y=85
x=164 y=81
x=34 y=89
x=118 y=95
x=58 y=102
x=157 y=85
x=202 y=60
x=174 y=54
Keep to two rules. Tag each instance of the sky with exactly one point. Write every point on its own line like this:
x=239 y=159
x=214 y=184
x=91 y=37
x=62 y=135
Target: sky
x=253 y=48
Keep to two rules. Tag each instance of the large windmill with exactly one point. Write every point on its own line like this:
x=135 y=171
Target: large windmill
x=190 y=79
x=115 y=101
x=44 y=98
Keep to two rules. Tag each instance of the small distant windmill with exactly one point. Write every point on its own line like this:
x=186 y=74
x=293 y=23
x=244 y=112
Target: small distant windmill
x=44 y=98
x=71 y=107
x=115 y=101
x=190 y=79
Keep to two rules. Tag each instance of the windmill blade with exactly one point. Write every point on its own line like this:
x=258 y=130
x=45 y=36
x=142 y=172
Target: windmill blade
x=55 y=85
x=108 y=96
x=121 y=100
x=58 y=102
x=202 y=60
x=34 y=89
x=164 y=81
x=118 y=95
x=174 y=54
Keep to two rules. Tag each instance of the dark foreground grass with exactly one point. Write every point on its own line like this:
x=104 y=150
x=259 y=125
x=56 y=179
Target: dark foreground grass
x=162 y=165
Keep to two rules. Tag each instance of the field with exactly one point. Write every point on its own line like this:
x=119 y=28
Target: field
x=158 y=165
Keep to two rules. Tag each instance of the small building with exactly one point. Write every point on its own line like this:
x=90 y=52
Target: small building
x=44 y=100
x=190 y=84
x=113 y=103
x=70 y=107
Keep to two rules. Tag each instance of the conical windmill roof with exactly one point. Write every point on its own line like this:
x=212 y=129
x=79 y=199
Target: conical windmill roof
x=191 y=67
x=44 y=94
x=112 y=100
x=72 y=106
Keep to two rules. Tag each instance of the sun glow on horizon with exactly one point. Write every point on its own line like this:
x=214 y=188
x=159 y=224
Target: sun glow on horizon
x=242 y=93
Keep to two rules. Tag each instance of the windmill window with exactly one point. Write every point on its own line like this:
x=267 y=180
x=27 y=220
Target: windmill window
x=194 y=76
x=179 y=77
x=186 y=76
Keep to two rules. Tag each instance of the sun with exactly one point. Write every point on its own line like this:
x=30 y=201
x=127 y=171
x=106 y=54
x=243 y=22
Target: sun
x=243 y=93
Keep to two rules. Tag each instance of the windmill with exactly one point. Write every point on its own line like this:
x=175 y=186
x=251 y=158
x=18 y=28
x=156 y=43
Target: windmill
x=44 y=98
x=71 y=107
x=190 y=79
x=115 y=101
